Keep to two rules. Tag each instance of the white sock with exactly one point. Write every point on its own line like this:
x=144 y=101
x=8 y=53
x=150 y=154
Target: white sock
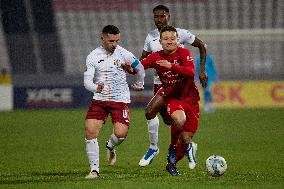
x=114 y=141
x=153 y=128
x=92 y=148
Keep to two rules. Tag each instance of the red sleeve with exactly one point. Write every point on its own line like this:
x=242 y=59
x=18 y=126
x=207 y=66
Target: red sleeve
x=149 y=61
x=186 y=66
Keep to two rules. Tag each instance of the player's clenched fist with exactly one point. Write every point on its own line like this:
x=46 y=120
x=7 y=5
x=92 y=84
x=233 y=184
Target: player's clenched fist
x=127 y=67
x=100 y=87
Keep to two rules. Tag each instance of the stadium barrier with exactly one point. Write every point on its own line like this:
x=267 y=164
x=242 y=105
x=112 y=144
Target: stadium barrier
x=6 y=97
x=64 y=97
x=228 y=94
x=249 y=94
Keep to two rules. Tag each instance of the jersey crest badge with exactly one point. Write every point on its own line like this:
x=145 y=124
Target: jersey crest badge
x=117 y=62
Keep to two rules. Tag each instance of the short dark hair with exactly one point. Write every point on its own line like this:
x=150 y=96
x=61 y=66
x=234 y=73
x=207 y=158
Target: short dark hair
x=161 y=7
x=168 y=28
x=110 y=29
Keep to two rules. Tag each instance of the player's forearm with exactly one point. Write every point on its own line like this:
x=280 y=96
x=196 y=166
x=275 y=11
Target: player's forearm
x=89 y=84
x=202 y=52
x=183 y=70
x=138 y=67
x=144 y=54
x=202 y=59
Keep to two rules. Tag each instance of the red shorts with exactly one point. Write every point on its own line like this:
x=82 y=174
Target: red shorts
x=191 y=111
x=100 y=110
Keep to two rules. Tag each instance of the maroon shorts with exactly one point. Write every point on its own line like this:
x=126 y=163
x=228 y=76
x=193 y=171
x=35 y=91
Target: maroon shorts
x=100 y=110
x=191 y=111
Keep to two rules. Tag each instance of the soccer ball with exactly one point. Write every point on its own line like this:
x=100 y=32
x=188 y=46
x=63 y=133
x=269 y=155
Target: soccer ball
x=215 y=165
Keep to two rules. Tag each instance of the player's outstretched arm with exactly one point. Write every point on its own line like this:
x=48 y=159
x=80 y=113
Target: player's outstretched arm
x=202 y=51
x=128 y=69
x=139 y=69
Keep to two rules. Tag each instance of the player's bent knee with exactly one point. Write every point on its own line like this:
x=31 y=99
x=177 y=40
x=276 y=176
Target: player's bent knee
x=179 y=122
x=167 y=120
x=152 y=110
x=150 y=114
x=91 y=133
x=166 y=117
x=121 y=135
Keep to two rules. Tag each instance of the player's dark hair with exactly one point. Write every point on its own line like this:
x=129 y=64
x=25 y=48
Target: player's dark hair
x=110 y=29
x=168 y=28
x=161 y=7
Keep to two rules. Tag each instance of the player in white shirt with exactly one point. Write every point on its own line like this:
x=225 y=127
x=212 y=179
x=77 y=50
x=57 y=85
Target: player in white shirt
x=152 y=44
x=105 y=77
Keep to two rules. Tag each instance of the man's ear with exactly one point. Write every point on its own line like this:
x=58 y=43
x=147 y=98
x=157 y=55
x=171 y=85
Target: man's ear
x=168 y=19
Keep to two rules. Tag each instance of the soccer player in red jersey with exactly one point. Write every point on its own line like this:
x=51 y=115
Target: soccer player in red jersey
x=161 y=18
x=175 y=67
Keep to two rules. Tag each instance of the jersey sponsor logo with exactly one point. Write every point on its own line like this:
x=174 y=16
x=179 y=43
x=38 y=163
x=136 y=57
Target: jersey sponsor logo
x=170 y=77
x=169 y=74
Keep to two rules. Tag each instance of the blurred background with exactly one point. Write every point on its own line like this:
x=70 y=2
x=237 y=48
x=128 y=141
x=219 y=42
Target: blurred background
x=44 y=44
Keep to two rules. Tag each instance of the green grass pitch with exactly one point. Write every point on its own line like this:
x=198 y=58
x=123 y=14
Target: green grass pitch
x=46 y=149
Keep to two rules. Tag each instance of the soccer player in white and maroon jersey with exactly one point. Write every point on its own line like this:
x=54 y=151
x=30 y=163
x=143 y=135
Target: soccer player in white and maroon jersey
x=175 y=67
x=106 y=78
x=152 y=44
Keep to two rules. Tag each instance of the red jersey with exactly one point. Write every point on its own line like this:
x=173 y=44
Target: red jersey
x=177 y=82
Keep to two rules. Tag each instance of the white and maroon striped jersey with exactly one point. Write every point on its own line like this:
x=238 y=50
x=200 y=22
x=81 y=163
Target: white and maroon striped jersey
x=101 y=66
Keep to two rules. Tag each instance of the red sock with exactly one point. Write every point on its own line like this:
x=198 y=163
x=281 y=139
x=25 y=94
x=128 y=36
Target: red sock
x=180 y=151
x=175 y=134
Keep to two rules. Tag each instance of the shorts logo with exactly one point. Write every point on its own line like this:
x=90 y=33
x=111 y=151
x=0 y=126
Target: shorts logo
x=125 y=114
